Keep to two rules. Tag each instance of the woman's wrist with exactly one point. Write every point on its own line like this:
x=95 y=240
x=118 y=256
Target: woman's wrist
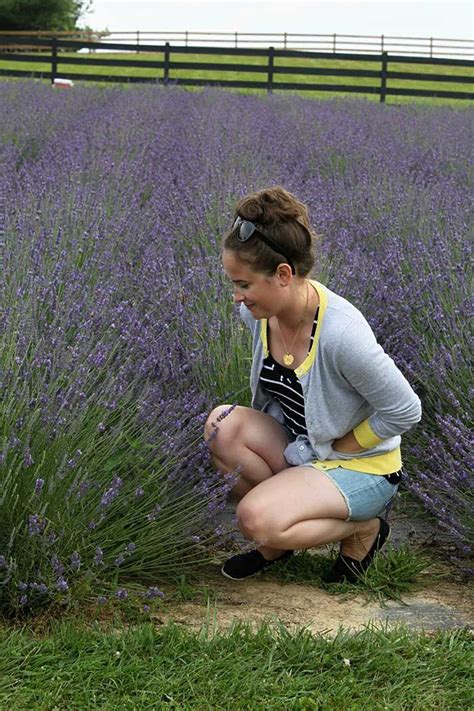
x=347 y=444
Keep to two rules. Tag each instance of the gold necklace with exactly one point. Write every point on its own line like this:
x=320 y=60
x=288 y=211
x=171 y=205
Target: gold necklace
x=288 y=357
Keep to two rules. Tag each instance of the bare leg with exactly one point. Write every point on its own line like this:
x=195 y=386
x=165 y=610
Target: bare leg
x=251 y=440
x=301 y=508
x=315 y=511
x=358 y=544
x=242 y=487
x=310 y=534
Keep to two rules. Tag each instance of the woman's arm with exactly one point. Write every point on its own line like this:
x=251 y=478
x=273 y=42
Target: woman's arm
x=365 y=365
x=347 y=444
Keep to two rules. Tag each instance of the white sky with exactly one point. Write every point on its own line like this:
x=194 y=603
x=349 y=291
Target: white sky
x=408 y=18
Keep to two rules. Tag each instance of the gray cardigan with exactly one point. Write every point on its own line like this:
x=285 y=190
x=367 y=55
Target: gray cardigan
x=349 y=383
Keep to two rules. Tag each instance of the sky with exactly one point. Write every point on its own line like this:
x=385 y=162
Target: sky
x=406 y=18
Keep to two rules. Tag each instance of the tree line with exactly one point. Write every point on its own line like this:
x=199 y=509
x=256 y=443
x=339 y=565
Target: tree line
x=41 y=14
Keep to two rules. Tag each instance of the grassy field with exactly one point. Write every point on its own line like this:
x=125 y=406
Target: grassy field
x=144 y=667
x=224 y=75
x=112 y=656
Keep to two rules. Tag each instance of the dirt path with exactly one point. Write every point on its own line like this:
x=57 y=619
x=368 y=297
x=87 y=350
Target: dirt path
x=257 y=600
x=439 y=605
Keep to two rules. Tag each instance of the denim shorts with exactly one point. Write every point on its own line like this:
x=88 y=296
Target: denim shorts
x=366 y=495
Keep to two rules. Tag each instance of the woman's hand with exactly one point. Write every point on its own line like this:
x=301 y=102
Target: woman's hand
x=347 y=444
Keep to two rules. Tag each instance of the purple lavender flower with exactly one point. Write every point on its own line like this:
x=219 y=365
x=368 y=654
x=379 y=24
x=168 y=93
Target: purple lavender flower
x=119 y=560
x=57 y=566
x=39 y=485
x=99 y=556
x=3 y=562
x=75 y=560
x=61 y=584
x=131 y=548
x=122 y=594
x=111 y=493
x=36 y=524
x=51 y=538
x=154 y=514
x=101 y=599
x=40 y=588
x=154 y=592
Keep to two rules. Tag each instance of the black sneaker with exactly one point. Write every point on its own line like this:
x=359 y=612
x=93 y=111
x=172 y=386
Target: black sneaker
x=349 y=570
x=245 y=565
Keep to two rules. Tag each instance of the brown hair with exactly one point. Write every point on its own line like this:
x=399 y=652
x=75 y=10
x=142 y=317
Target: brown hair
x=285 y=220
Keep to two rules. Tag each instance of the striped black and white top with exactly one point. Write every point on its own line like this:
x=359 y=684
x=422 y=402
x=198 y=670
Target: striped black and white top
x=283 y=384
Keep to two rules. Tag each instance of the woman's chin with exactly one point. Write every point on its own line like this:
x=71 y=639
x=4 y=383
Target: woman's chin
x=253 y=308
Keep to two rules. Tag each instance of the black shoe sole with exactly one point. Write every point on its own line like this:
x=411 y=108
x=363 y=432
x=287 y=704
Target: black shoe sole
x=285 y=556
x=252 y=575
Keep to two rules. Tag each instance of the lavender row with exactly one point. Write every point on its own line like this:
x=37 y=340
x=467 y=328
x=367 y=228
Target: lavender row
x=117 y=331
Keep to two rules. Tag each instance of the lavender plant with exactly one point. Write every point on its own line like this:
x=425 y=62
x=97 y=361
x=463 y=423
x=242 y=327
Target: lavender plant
x=117 y=330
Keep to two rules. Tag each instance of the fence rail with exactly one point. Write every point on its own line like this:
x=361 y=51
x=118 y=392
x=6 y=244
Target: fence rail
x=381 y=75
x=336 y=43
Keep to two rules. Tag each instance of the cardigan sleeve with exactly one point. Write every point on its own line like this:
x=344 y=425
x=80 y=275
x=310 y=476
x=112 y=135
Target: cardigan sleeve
x=365 y=365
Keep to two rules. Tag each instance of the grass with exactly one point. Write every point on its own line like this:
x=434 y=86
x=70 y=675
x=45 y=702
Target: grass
x=70 y=70
x=147 y=668
x=391 y=575
x=114 y=658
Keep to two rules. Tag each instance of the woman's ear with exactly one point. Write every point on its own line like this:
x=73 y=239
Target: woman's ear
x=284 y=273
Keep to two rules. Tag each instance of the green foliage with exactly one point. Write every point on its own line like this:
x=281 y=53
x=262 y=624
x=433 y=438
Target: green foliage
x=392 y=574
x=68 y=521
x=16 y=15
x=143 y=668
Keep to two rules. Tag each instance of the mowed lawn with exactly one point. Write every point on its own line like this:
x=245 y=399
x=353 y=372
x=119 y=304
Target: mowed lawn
x=260 y=72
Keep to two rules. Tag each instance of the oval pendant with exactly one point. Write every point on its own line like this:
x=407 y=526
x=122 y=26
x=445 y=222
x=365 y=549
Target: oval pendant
x=288 y=359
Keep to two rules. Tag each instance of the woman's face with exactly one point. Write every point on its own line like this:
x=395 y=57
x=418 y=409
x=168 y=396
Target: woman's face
x=260 y=293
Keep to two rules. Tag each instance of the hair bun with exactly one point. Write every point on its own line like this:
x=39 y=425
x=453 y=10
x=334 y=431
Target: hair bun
x=253 y=210
x=284 y=219
x=271 y=206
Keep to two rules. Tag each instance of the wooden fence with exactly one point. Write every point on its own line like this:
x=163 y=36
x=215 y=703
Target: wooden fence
x=349 y=44
x=382 y=75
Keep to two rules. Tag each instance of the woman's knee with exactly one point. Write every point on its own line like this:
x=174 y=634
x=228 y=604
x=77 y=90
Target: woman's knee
x=252 y=519
x=227 y=425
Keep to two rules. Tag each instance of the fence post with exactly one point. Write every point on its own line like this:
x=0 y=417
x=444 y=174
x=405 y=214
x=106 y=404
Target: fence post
x=166 y=68
x=236 y=39
x=334 y=44
x=383 y=76
x=431 y=48
x=271 y=54
x=138 y=41
x=54 y=59
x=382 y=47
x=185 y=38
x=285 y=40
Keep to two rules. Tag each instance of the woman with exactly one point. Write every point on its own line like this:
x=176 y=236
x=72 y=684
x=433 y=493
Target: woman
x=319 y=449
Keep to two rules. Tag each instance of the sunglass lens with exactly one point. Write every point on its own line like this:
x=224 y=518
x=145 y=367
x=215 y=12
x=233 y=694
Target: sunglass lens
x=246 y=230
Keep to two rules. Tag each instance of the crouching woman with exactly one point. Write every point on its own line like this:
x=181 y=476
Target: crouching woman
x=319 y=448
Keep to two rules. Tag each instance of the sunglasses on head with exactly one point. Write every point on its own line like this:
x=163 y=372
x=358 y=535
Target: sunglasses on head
x=248 y=228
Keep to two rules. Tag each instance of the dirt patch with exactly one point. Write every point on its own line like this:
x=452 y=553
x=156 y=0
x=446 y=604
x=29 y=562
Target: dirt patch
x=258 y=600
x=439 y=605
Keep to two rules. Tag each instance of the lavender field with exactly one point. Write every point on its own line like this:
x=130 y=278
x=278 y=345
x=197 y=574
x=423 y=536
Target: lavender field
x=117 y=328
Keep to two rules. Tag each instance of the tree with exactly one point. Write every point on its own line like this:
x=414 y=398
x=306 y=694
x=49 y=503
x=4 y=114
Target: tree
x=41 y=14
